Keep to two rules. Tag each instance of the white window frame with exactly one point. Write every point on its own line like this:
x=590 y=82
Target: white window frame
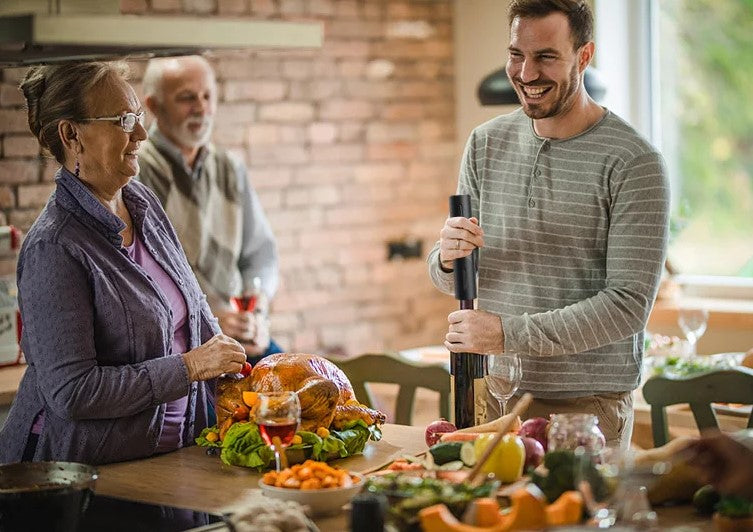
x=627 y=61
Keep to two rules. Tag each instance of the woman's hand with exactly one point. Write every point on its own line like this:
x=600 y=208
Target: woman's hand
x=221 y=354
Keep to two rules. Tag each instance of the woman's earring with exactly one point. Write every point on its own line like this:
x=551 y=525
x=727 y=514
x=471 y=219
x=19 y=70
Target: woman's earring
x=76 y=169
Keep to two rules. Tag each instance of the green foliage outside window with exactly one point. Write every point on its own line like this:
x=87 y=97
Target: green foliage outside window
x=706 y=73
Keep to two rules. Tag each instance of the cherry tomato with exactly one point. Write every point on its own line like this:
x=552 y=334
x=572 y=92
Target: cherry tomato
x=246 y=370
x=240 y=413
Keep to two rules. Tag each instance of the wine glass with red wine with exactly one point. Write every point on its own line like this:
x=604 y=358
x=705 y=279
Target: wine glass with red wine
x=278 y=417
x=246 y=302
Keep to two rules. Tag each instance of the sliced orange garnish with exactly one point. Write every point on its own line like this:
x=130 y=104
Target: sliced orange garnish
x=250 y=398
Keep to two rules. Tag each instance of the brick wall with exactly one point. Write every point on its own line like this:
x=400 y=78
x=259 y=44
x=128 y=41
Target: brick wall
x=349 y=147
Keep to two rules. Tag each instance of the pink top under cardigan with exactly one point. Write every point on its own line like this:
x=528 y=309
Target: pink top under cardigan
x=175 y=412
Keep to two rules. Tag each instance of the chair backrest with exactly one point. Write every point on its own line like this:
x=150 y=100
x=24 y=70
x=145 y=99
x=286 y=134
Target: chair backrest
x=389 y=368
x=716 y=386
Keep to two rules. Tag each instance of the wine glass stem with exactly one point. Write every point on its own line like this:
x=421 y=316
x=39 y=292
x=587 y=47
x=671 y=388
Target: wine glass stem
x=280 y=459
x=502 y=407
x=277 y=459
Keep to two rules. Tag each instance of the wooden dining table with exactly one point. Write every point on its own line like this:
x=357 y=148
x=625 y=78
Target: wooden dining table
x=679 y=417
x=189 y=478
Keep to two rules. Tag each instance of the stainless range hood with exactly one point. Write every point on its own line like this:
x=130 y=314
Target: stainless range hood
x=48 y=31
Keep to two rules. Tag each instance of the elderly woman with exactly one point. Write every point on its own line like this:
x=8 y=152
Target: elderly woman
x=121 y=346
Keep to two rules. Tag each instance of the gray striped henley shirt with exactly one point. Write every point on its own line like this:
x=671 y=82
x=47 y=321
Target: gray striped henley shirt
x=575 y=239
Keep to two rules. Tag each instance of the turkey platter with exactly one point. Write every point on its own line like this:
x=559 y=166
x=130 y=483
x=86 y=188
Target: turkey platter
x=325 y=393
x=333 y=422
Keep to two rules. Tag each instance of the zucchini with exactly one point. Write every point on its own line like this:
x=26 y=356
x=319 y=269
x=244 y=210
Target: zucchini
x=468 y=454
x=444 y=452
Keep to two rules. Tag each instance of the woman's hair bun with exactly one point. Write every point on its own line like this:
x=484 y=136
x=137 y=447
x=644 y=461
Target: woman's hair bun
x=33 y=87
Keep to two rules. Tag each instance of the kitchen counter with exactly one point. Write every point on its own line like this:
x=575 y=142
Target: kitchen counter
x=190 y=478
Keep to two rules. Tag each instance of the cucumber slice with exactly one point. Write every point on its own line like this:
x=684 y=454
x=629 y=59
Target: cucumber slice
x=455 y=465
x=429 y=462
x=444 y=452
x=468 y=454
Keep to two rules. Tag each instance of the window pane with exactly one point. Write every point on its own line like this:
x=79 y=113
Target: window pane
x=705 y=59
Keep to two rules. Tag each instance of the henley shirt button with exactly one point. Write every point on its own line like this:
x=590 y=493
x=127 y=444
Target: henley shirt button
x=537 y=173
x=545 y=147
x=531 y=203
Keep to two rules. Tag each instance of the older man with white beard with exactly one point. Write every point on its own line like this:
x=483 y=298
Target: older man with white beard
x=208 y=198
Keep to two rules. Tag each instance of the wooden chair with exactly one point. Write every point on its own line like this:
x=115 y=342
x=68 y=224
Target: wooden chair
x=716 y=386
x=389 y=368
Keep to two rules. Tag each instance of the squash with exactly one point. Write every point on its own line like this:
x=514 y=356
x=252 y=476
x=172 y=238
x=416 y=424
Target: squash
x=487 y=512
x=528 y=512
x=438 y=518
x=566 y=510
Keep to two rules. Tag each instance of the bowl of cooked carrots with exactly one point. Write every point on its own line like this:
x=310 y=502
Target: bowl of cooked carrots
x=321 y=487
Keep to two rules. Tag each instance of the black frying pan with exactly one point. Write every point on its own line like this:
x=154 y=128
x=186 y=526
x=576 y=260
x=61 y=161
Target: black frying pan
x=49 y=496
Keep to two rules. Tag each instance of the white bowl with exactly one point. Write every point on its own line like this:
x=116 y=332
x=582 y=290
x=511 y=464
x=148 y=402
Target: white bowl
x=323 y=501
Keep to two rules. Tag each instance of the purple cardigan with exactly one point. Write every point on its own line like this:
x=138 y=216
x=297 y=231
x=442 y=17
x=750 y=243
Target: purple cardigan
x=97 y=332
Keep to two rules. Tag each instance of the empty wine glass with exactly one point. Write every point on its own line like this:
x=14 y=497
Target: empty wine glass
x=636 y=509
x=614 y=487
x=503 y=377
x=597 y=476
x=278 y=416
x=692 y=321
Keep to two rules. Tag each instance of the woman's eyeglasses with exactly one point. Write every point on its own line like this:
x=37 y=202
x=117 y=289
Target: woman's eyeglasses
x=127 y=121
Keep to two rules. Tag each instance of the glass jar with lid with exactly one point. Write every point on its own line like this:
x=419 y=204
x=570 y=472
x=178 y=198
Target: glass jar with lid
x=570 y=431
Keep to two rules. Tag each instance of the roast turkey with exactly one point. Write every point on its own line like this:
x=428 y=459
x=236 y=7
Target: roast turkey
x=325 y=393
x=230 y=396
